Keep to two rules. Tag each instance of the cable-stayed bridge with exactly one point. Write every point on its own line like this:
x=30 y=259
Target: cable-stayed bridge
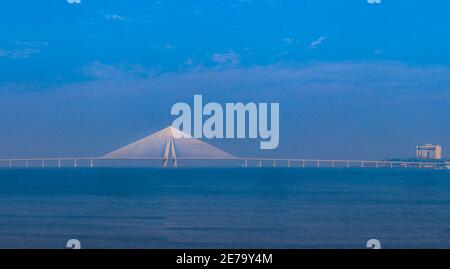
x=170 y=147
x=237 y=161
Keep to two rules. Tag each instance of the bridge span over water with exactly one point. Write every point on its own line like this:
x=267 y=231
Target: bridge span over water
x=171 y=147
x=199 y=161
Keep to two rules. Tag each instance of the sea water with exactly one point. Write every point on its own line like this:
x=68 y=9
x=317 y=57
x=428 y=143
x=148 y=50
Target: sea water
x=224 y=208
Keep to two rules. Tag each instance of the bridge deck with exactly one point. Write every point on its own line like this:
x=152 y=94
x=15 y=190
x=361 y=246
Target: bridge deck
x=259 y=162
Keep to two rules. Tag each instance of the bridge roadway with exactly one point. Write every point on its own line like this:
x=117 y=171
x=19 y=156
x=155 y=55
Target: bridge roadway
x=246 y=162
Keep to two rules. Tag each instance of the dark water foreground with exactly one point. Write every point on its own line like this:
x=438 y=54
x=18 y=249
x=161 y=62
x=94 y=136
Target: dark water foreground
x=224 y=208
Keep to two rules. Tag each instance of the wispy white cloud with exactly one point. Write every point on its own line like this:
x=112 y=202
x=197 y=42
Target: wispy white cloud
x=99 y=70
x=18 y=53
x=317 y=42
x=288 y=40
x=168 y=47
x=35 y=44
x=22 y=49
x=114 y=17
x=374 y=2
x=226 y=58
x=189 y=62
x=74 y=1
x=241 y=2
x=378 y=52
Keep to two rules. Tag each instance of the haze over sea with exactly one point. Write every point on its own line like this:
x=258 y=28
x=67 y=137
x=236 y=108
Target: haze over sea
x=224 y=208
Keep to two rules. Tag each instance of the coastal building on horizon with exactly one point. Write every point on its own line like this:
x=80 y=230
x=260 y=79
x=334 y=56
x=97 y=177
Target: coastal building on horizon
x=429 y=152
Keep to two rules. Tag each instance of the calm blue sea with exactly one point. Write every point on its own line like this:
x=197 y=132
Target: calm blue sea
x=224 y=208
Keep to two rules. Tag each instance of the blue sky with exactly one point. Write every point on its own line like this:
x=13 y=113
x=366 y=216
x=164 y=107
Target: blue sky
x=354 y=80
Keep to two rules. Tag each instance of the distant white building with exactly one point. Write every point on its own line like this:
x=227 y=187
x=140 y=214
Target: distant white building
x=429 y=152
